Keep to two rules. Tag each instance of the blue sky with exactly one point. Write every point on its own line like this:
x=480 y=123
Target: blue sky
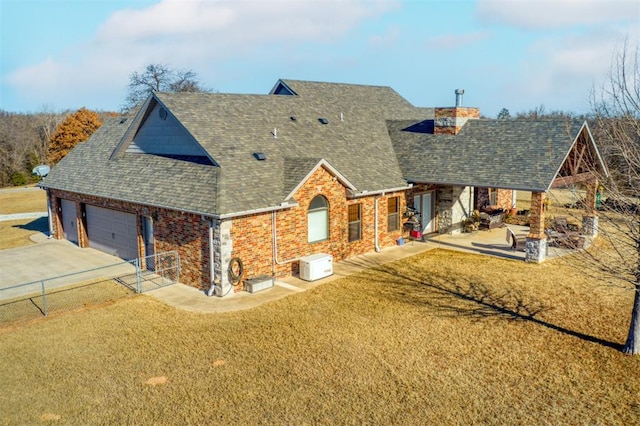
x=66 y=54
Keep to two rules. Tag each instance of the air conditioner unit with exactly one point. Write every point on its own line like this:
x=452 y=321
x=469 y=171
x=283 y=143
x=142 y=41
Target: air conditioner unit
x=262 y=282
x=316 y=266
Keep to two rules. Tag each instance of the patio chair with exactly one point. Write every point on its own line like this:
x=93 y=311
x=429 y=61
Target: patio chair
x=518 y=242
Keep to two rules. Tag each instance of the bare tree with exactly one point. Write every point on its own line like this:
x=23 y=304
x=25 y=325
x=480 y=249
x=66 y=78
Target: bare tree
x=615 y=256
x=24 y=142
x=542 y=112
x=159 y=78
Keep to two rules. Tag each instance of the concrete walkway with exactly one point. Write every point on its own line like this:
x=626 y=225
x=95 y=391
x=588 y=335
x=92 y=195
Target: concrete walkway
x=491 y=243
x=19 y=216
x=191 y=299
x=54 y=257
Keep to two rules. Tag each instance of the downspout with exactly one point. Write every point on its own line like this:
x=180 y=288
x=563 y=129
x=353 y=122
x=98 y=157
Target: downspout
x=375 y=222
x=274 y=248
x=49 y=213
x=212 y=269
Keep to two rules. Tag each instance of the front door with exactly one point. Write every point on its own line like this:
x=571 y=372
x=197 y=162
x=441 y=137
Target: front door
x=423 y=203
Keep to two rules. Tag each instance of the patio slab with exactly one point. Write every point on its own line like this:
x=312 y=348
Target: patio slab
x=488 y=242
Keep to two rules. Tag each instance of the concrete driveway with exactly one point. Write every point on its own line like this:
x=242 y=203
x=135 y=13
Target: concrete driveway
x=52 y=258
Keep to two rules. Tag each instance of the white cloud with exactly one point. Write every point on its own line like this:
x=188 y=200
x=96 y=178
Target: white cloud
x=455 y=41
x=537 y=14
x=560 y=69
x=195 y=34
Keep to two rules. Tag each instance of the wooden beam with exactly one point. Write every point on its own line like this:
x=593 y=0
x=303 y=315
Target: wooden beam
x=562 y=181
x=579 y=162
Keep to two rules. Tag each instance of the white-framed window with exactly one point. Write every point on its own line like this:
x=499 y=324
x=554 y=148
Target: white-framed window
x=354 y=222
x=318 y=219
x=493 y=197
x=393 y=217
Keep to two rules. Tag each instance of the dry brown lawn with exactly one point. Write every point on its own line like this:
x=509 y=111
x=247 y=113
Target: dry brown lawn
x=59 y=300
x=439 y=338
x=17 y=233
x=19 y=200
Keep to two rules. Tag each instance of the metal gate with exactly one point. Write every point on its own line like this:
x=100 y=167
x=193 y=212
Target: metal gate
x=152 y=272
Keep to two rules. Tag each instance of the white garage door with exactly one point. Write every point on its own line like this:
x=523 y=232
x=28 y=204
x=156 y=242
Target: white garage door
x=112 y=231
x=69 y=220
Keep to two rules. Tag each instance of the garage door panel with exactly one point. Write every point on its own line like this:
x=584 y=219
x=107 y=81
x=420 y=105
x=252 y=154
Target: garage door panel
x=112 y=231
x=69 y=220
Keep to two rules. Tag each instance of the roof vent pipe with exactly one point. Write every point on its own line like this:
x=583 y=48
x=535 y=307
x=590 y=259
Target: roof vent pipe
x=459 y=93
x=275 y=132
x=341 y=117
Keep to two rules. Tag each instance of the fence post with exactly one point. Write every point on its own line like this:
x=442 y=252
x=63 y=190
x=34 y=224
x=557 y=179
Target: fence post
x=44 y=299
x=138 y=280
x=177 y=266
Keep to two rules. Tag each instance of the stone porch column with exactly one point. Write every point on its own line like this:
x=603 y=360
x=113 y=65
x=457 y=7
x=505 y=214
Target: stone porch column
x=590 y=218
x=224 y=246
x=536 y=244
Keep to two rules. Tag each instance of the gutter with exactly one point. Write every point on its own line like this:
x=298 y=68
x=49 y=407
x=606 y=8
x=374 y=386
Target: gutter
x=49 y=213
x=281 y=206
x=381 y=192
x=376 y=244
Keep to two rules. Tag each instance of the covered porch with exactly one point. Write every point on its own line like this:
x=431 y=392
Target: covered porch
x=569 y=159
x=497 y=243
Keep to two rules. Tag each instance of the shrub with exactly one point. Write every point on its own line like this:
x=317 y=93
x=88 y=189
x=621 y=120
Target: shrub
x=19 y=179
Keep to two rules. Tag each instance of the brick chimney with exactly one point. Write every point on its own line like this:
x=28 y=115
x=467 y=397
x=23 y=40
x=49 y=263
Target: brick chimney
x=449 y=121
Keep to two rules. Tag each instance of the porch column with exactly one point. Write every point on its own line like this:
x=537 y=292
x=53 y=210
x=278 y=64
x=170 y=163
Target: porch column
x=536 y=244
x=590 y=218
x=224 y=246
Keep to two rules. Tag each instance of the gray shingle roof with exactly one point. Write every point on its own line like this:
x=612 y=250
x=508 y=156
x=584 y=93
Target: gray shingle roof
x=145 y=179
x=232 y=127
x=373 y=138
x=516 y=154
x=355 y=141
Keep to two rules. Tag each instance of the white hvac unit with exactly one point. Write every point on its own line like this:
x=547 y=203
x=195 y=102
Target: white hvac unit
x=316 y=266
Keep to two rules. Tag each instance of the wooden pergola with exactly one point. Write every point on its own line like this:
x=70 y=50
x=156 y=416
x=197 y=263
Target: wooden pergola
x=582 y=166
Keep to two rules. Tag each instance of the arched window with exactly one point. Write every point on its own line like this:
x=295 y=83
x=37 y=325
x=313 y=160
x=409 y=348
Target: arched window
x=318 y=218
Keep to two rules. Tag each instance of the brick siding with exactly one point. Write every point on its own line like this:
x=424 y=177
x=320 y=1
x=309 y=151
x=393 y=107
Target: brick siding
x=455 y=119
x=253 y=236
x=173 y=230
x=504 y=198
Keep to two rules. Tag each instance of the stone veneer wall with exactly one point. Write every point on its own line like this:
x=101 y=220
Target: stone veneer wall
x=252 y=236
x=452 y=204
x=173 y=230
